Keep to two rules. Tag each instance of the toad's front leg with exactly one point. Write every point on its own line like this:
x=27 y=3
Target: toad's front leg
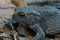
x=40 y=35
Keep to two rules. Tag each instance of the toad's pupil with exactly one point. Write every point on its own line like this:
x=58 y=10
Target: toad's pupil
x=21 y=14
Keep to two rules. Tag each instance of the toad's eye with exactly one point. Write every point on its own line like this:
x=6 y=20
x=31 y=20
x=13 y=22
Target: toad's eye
x=21 y=14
